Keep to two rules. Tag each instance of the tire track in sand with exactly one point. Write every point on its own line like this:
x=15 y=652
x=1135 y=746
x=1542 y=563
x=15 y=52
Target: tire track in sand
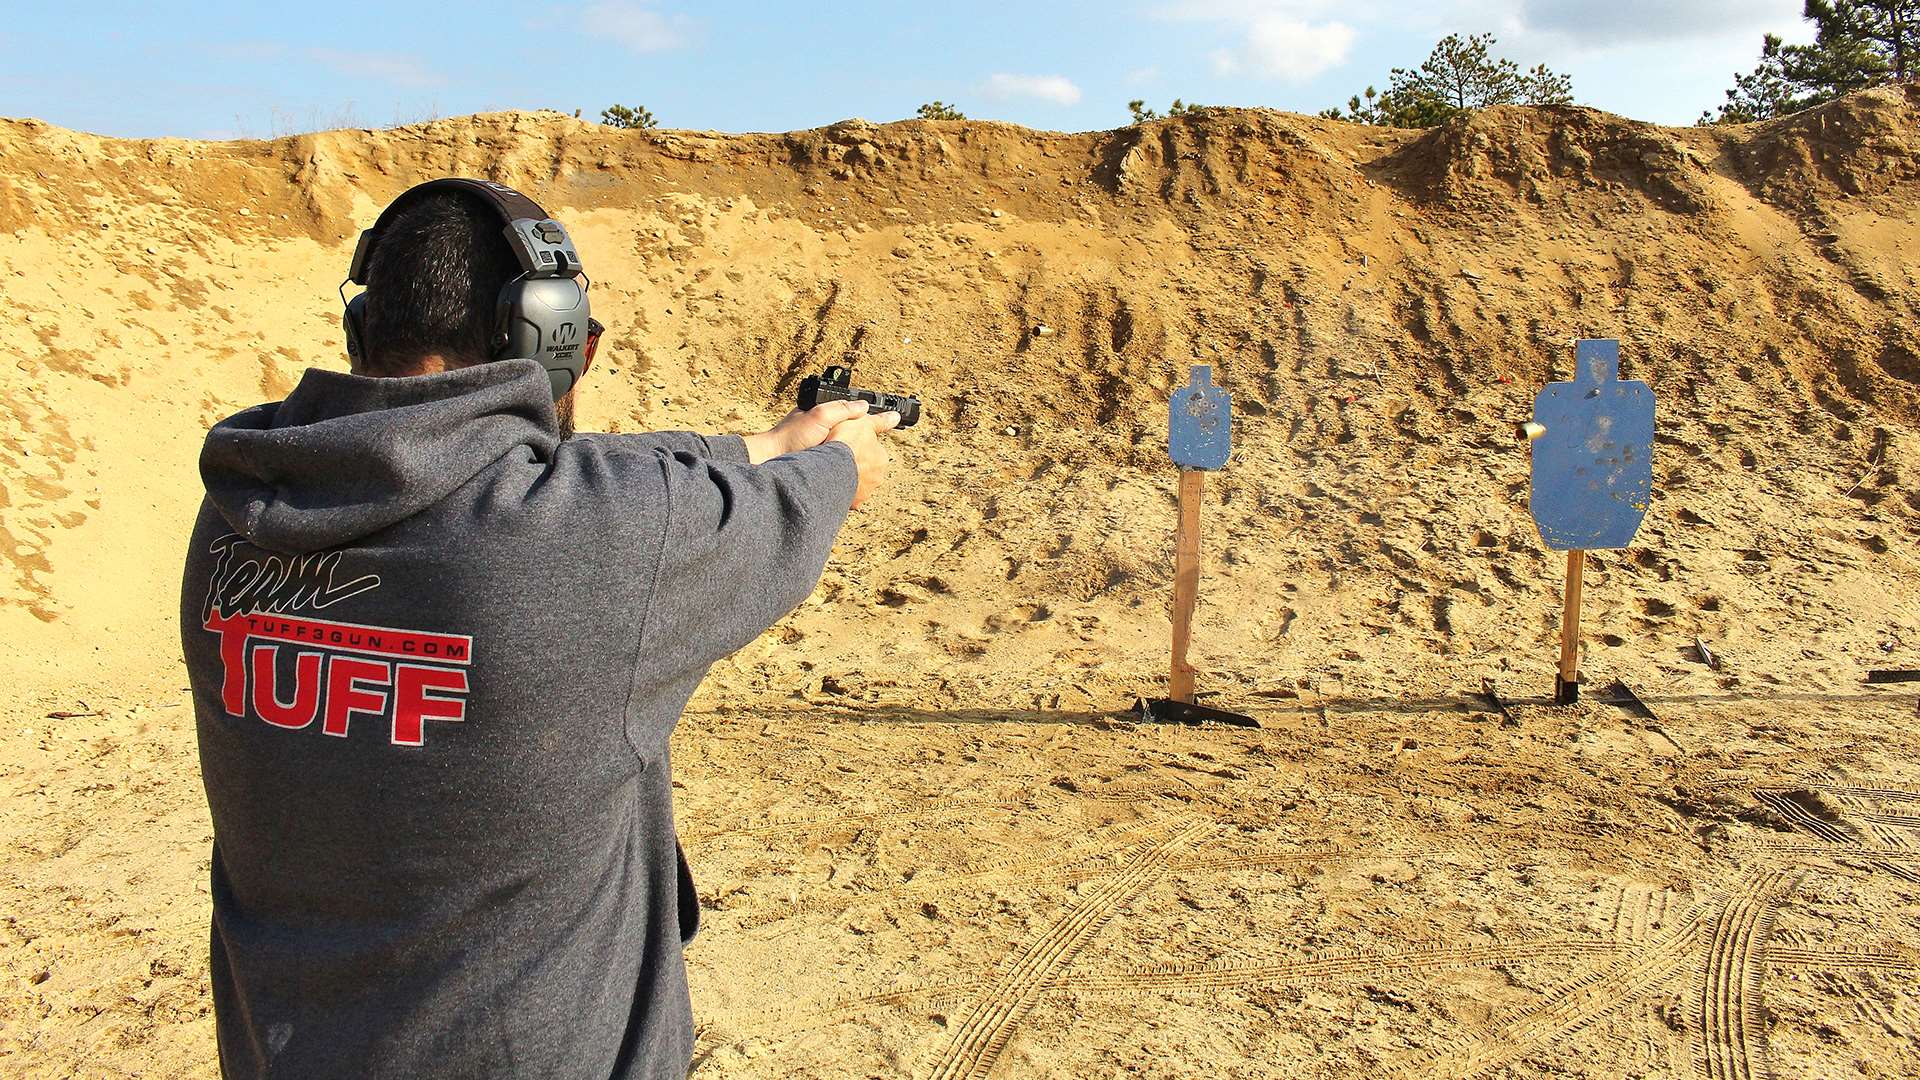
x=1781 y=802
x=925 y=808
x=922 y=808
x=1732 y=1024
x=1878 y=793
x=1637 y=908
x=1110 y=841
x=1368 y=965
x=978 y=1042
x=1884 y=860
x=1284 y=858
x=1842 y=959
x=1904 y=821
x=1232 y=973
x=1840 y=835
x=1571 y=1007
x=1069 y=866
x=1839 y=851
x=1357 y=965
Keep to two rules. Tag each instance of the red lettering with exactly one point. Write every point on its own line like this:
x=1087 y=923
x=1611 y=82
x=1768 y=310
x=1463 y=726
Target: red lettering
x=413 y=706
x=306 y=688
x=346 y=696
x=233 y=662
x=250 y=648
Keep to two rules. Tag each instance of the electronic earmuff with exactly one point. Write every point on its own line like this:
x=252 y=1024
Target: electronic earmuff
x=542 y=315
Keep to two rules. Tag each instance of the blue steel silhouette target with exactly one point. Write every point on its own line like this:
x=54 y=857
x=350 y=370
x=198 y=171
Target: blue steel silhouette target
x=1200 y=422
x=1593 y=463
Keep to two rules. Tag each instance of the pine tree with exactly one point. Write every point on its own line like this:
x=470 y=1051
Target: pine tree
x=1857 y=44
x=1393 y=110
x=1460 y=74
x=1142 y=114
x=623 y=116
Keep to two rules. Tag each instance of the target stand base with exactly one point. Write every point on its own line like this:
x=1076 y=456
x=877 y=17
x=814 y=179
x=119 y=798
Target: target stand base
x=1565 y=692
x=1166 y=711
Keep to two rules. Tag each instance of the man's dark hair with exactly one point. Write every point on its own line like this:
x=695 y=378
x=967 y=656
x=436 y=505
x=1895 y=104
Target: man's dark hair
x=433 y=283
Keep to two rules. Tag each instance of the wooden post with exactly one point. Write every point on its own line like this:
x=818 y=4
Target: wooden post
x=1566 y=688
x=1186 y=582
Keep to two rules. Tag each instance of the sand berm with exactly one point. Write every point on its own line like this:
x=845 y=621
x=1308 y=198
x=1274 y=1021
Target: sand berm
x=926 y=843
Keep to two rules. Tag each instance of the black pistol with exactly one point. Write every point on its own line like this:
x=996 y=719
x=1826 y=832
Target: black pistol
x=835 y=384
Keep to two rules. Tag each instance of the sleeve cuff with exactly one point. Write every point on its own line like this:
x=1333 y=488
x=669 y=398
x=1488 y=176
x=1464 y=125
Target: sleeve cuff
x=729 y=449
x=837 y=458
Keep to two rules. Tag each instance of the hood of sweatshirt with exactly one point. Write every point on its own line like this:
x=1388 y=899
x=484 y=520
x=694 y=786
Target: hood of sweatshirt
x=345 y=456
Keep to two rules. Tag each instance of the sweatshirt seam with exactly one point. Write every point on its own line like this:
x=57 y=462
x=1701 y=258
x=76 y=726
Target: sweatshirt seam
x=665 y=534
x=805 y=512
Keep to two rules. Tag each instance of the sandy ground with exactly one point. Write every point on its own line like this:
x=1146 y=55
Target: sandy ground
x=928 y=842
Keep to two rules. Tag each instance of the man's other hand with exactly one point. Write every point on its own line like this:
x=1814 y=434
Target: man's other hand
x=801 y=430
x=862 y=435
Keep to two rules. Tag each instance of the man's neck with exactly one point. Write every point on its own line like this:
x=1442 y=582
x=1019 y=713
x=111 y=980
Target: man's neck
x=434 y=364
x=430 y=364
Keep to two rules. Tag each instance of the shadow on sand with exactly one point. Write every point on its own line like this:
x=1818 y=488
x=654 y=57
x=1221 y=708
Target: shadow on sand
x=1277 y=708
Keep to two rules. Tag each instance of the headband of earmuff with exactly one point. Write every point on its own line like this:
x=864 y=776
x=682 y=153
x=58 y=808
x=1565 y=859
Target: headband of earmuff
x=542 y=315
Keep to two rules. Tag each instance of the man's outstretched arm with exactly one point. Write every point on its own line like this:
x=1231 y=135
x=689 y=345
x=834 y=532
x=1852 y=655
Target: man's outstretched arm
x=742 y=546
x=798 y=430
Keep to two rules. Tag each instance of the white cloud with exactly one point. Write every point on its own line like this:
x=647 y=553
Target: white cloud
x=1291 y=40
x=1289 y=49
x=639 y=27
x=399 y=69
x=1653 y=20
x=1057 y=89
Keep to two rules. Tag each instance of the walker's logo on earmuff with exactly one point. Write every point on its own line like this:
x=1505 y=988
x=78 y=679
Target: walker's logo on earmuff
x=565 y=334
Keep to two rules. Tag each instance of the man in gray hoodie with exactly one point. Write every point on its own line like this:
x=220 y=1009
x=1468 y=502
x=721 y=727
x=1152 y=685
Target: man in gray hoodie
x=437 y=647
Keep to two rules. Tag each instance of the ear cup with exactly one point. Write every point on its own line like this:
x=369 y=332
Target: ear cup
x=545 y=320
x=354 y=319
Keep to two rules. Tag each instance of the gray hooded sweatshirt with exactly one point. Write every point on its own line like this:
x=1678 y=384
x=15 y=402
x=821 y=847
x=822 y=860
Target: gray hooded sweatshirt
x=436 y=654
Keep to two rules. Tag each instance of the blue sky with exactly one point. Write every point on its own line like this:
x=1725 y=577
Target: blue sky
x=220 y=68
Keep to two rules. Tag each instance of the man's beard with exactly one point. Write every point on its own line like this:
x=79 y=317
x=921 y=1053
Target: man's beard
x=563 y=412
